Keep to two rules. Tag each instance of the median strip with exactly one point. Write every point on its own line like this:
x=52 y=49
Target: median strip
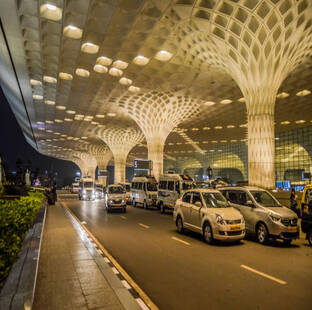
x=180 y=240
x=143 y=225
x=264 y=275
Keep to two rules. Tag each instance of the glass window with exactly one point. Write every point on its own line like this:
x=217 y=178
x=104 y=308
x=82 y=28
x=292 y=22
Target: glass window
x=127 y=188
x=187 y=197
x=177 y=187
x=140 y=185
x=163 y=185
x=171 y=185
x=151 y=187
x=196 y=198
x=232 y=197
x=116 y=190
x=265 y=199
x=186 y=186
x=88 y=184
x=215 y=200
x=241 y=198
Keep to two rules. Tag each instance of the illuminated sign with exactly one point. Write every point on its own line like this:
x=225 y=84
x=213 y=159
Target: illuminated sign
x=140 y=164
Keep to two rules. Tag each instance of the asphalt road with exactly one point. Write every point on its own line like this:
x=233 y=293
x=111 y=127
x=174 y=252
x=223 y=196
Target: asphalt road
x=186 y=273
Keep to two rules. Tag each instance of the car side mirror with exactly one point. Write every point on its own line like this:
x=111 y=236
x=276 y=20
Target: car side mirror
x=198 y=204
x=250 y=204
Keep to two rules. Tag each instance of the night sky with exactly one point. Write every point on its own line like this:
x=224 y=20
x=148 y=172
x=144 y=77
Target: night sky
x=13 y=145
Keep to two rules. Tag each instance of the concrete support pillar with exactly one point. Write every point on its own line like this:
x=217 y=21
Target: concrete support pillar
x=120 y=168
x=155 y=147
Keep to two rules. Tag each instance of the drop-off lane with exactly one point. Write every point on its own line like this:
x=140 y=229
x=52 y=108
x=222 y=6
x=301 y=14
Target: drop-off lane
x=199 y=276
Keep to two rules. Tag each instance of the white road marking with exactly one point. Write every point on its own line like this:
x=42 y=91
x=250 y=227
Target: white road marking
x=143 y=225
x=123 y=217
x=115 y=271
x=264 y=275
x=142 y=304
x=180 y=240
x=126 y=284
x=83 y=222
x=106 y=260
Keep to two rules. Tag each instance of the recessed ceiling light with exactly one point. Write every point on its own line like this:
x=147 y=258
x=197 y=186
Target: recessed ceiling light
x=134 y=89
x=242 y=99
x=49 y=130
x=233 y=140
x=209 y=103
x=49 y=122
x=100 y=116
x=50 y=11
x=206 y=128
x=49 y=102
x=89 y=116
x=115 y=71
x=141 y=60
x=285 y=123
x=163 y=55
x=223 y=141
x=111 y=114
x=218 y=127
x=60 y=107
x=301 y=121
x=230 y=126
x=35 y=82
x=87 y=119
x=195 y=129
x=70 y=112
x=40 y=123
x=49 y=79
x=94 y=123
x=120 y=64
x=37 y=97
x=41 y=128
x=79 y=115
x=82 y=72
x=72 y=32
x=65 y=76
x=100 y=68
x=100 y=125
x=84 y=138
x=58 y=121
x=243 y=125
x=226 y=101
x=125 y=81
x=68 y=119
x=304 y=92
x=63 y=136
x=205 y=142
x=89 y=48
x=282 y=95
x=104 y=61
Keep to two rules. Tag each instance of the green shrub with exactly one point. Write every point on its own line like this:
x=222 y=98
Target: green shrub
x=16 y=217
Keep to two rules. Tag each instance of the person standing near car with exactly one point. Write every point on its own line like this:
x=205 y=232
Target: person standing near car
x=293 y=200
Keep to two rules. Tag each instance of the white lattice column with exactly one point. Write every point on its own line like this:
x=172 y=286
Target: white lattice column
x=120 y=168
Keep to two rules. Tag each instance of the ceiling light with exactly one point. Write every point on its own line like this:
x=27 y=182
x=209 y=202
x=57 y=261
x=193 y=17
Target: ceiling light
x=49 y=102
x=82 y=72
x=141 y=60
x=209 y=103
x=79 y=115
x=58 y=121
x=40 y=123
x=49 y=122
x=68 y=119
x=120 y=64
x=285 y=122
x=38 y=97
x=100 y=125
x=226 y=101
x=230 y=126
x=41 y=128
x=134 y=89
x=304 y=92
x=63 y=135
x=50 y=11
x=84 y=138
x=243 y=125
x=72 y=32
x=111 y=114
x=94 y=123
x=50 y=79
x=300 y=121
x=195 y=129
x=206 y=128
x=163 y=55
x=89 y=116
x=60 y=107
x=89 y=48
x=282 y=95
x=115 y=72
x=104 y=61
x=100 y=69
x=233 y=140
x=223 y=141
x=65 y=76
x=49 y=130
x=125 y=81
x=218 y=127
x=35 y=82
x=205 y=142
x=87 y=119
x=70 y=112
x=100 y=116
x=242 y=99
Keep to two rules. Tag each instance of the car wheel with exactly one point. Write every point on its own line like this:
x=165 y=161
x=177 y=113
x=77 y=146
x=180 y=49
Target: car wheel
x=309 y=237
x=179 y=224
x=262 y=234
x=287 y=241
x=134 y=203
x=162 y=208
x=207 y=233
x=145 y=204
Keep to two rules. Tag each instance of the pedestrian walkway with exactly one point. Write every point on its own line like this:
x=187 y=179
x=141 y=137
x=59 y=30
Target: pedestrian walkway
x=69 y=277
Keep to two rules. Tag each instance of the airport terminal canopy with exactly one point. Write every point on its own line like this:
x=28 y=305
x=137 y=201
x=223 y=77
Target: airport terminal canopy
x=189 y=75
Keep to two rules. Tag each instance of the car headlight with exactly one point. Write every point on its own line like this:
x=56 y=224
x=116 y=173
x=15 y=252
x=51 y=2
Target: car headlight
x=110 y=201
x=274 y=218
x=219 y=219
x=123 y=201
x=84 y=192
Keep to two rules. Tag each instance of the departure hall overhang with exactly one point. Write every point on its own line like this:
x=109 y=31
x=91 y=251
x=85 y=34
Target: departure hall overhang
x=178 y=78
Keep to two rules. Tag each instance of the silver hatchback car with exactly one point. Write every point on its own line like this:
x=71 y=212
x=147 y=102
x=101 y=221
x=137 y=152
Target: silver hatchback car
x=264 y=215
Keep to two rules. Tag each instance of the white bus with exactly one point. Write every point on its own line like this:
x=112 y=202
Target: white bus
x=170 y=188
x=144 y=191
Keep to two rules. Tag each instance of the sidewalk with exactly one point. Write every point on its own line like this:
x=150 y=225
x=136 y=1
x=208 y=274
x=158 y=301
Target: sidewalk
x=69 y=276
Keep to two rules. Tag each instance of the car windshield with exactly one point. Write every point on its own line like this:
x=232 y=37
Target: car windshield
x=116 y=190
x=186 y=186
x=88 y=184
x=151 y=187
x=215 y=200
x=265 y=199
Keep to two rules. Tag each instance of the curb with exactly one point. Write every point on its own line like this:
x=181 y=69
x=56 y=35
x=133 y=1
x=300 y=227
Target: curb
x=19 y=289
x=128 y=283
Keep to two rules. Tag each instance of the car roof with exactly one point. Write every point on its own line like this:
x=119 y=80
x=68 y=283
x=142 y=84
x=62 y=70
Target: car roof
x=203 y=190
x=249 y=188
x=114 y=185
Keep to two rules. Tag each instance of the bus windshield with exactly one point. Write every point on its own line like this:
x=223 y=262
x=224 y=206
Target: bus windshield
x=87 y=184
x=151 y=187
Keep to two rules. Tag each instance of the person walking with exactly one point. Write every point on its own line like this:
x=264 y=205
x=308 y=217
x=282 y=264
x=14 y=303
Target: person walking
x=293 y=200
